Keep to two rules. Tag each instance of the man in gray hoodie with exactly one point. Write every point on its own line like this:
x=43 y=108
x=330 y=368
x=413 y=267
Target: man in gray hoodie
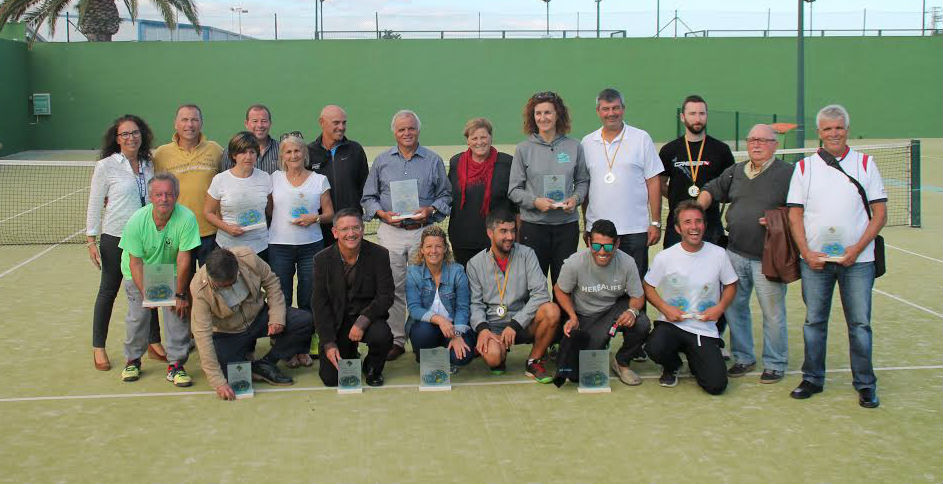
x=510 y=303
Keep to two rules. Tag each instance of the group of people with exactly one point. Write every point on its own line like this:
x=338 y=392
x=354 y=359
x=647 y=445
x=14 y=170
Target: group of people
x=240 y=223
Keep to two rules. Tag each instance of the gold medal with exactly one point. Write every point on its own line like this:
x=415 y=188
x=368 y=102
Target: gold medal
x=610 y=177
x=693 y=190
x=502 y=308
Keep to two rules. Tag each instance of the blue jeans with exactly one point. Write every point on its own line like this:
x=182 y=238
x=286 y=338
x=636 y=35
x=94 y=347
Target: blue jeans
x=427 y=335
x=854 y=286
x=286 y=260
x=772 y=298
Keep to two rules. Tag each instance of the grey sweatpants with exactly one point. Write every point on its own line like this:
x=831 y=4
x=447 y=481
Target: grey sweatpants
x=137 y=325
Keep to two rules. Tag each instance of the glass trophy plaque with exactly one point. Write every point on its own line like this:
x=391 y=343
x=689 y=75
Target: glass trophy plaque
x=159 y=283
x=594 y=371
x=555 y=189
x=239 y=375
x=405 y=197
x=434 y=370
x=673 y=290
x=251 y=219
x=299 y=205
x=349 y=378
x=832 y=244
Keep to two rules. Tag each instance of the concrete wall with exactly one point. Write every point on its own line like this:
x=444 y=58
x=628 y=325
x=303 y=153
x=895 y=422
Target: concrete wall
x=891 y=86
x=14 y=108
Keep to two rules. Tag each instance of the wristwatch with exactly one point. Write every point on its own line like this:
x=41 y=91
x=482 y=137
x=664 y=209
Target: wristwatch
x=656 y=223
x=635 y=312
x=180 y=295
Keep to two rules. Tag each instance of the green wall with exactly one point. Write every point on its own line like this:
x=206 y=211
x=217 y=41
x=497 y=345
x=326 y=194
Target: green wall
x=891 y=86
x=14 y=89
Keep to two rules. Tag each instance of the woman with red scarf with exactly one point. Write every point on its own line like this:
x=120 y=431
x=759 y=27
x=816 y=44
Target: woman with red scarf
x=479 y=178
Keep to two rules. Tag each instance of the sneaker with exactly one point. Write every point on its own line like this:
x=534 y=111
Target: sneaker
x=178 y=376
x=740 y=369
x=640 y=356
x=315 y=342
x=535 y=369
x=553 y=350
x=132 y=371
x=500 y=369
x=453 y=369
x=771 y=376
x=668 y=378
x=625 y=375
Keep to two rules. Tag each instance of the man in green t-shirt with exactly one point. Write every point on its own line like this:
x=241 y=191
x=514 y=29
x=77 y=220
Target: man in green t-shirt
x=160 y=232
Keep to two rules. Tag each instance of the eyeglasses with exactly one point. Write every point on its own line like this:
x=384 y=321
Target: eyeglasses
x=296 y=134
x=605 y=247
x=760 y=140
x=351 y=229
x=128 y=134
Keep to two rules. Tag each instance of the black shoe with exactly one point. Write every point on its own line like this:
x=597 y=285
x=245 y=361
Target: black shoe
x=640 y=356
x=771 y=376
x=740 y=369
x=868 y=398
x=269 y=372
x=395 y=352
x=805 y=390
x=373 y=377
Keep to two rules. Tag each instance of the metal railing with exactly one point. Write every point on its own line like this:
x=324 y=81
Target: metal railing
x=811 y=33
x=393 y=34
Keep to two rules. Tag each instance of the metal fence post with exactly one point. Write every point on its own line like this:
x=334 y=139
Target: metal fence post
x=736 y=130
x=678 y=121
x=915 y=183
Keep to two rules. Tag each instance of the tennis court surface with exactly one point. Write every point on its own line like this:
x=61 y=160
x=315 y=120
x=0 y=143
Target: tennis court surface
x=63 y=421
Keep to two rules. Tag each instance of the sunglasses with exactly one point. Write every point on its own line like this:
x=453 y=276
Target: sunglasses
x=605 y=247
x=296 y=134
x=545 y=96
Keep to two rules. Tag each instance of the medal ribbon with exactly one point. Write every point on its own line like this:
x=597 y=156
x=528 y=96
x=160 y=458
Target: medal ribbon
x=605 y=149
x=694 y=169
x=502 y=288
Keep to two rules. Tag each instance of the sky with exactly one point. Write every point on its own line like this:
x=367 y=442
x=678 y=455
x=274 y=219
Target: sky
x=295 y=18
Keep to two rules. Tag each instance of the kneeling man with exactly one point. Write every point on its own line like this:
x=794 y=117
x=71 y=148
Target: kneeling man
x=510 y=304
x=230 y=312
x=695 y=283
x=601 y=293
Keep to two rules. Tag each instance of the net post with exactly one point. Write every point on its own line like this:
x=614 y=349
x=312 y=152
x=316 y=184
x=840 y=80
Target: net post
x=915 y=183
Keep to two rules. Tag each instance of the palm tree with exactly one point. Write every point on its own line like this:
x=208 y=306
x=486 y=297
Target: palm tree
x=98 y=19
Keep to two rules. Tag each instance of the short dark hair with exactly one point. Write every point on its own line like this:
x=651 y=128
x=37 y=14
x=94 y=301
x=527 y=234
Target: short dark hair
x=605 y=228
x=686 y=205
x=242 y=142
x=349 y=212
x=259 y=107
x=191 y=106
x=610 y=95
x=222 y=265
x=499 y=216
x=563 y=116
x=693 y=98
x=168 y=177
x=110 y=140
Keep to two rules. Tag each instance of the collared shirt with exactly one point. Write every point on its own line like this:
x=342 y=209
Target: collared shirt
x=426 y=167
x=113 y=179
x=268 y=159
x=634 y=161
x=195 y=170
x=752 y=173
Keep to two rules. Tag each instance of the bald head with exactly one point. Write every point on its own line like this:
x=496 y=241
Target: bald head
x=762 y=143
x=333 y=121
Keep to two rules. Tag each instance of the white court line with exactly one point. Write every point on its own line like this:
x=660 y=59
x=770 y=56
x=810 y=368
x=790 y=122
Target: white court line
x=908 y=303
x=913 y=253
x=43 y=205
x=386 y=387
x=37 y=256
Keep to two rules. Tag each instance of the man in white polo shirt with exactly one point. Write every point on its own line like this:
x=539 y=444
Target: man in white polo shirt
x=834 y=230
x=623 y=179
x=690 y=284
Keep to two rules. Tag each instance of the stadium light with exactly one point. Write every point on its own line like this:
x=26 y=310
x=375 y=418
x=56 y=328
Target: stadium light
x=800 y=75
x=240 y=11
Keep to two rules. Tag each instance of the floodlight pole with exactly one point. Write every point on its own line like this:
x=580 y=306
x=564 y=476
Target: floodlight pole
x=547 y=3
x=239 y=11
x=658 y=18
x=800 y=75
x=317 y=33
x=322 y=18
x=597 y=18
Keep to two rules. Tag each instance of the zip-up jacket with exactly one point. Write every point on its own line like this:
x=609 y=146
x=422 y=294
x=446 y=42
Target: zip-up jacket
x=534 y=161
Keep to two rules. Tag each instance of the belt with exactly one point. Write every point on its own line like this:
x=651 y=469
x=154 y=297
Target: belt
x=408 y=224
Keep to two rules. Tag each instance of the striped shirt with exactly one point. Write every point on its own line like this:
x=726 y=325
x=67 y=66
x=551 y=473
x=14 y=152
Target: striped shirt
x=267 y=162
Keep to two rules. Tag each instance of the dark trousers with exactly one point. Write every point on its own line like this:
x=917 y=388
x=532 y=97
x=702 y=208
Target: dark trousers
x=636 y=245
x=199 y=254
x=462 y=256
x=427 y=335
x=379 y=341
x=286 y=260
x=108 y=290
x=552 y=244
x=593 y=334
x=294 y=339
x=668 y=341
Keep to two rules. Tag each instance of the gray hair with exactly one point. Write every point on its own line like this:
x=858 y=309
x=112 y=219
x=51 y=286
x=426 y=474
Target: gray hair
x=297 y=142
x=165 y=176
x=833 y=111
x=403 y=113
x=609 y=95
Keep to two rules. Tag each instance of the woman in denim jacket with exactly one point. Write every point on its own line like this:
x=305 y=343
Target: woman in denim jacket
x=437 y=296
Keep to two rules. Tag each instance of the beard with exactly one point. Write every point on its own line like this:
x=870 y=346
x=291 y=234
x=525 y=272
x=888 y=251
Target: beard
x=692 y=129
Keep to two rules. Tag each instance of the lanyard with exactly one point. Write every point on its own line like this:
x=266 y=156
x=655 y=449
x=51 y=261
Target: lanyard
x=502 y=288
x=695 y=169
x=605 y=149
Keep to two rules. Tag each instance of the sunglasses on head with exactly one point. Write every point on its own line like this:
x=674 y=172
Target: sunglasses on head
x=545 y=96
x=296 y=134
x=605 y=247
